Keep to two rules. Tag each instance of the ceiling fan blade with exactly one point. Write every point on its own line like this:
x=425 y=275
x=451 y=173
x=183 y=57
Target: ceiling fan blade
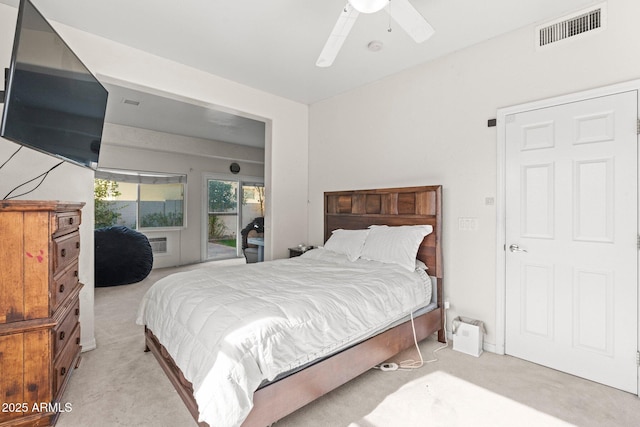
x=410 y=20
x=345 y=21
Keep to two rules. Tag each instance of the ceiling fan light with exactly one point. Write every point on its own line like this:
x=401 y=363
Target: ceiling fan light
x=368 y=6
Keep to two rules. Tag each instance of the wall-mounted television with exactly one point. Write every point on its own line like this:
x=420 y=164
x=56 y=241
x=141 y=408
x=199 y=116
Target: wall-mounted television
x=53 y=103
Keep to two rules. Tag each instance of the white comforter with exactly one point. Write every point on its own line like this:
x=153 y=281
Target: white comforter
x=230 y=328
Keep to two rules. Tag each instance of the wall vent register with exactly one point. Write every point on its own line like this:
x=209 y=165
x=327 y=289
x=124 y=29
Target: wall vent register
x=568 y=27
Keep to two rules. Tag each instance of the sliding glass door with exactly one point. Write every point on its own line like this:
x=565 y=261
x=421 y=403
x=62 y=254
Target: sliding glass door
x=231 y=206
x=252 y=202
x=222 y=219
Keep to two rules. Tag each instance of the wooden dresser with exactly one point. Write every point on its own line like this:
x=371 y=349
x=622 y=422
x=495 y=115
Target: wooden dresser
x=39 y=309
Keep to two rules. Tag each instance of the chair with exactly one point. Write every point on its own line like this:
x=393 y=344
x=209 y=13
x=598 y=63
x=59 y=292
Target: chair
x=122 y=256
x=254 y=229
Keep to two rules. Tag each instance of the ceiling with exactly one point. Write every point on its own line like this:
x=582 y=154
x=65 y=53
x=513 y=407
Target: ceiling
x=273 y=45
x=141 y=109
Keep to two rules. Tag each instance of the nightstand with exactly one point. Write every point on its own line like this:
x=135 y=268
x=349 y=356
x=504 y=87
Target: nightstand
x=297 y=251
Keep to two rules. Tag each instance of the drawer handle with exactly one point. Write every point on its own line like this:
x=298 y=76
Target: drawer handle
x=78 y=341
x=71 y=221
x=63 y=371
x=61 y=288
x=75 y=273
x=63 y=253
x=62 y=335
x=77 y=312
x=77 y=245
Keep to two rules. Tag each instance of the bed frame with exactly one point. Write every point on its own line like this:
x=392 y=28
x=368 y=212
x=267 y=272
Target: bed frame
x=349 y=210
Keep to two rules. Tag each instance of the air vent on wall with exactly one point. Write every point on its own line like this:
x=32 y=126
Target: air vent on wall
x=158 y=245
x=571 y=26
x=130 y=102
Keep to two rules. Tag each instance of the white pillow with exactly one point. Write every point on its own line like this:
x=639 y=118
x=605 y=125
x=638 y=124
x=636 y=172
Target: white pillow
x=421 y=265
x=347 y=242
x=395 y=245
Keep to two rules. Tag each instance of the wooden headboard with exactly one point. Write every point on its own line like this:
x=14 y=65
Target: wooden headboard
x=359 y=209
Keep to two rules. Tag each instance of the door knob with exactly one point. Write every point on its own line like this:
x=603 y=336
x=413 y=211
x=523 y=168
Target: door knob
x=516 y=248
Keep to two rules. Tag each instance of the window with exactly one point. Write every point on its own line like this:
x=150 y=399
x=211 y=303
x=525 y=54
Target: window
x=139 y=200
x=161 y=205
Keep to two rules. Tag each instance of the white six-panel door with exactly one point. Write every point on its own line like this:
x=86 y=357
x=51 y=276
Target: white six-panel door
x=571 y=238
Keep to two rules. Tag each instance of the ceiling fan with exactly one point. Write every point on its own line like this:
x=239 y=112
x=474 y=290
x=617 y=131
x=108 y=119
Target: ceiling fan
x=400 y=10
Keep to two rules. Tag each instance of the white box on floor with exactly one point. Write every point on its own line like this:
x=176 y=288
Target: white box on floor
x=468 y=336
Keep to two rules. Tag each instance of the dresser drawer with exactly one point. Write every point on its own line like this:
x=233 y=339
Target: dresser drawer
x=62 y=332
x=65 y=250
x=63 y=285
x=64 y=363
x=66 y=222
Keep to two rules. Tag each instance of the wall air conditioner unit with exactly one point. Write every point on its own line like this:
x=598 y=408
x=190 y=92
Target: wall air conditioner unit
x=158 y=245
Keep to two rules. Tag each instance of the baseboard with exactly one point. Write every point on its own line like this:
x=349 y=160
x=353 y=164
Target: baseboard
x=88 y=345
x=490 y=347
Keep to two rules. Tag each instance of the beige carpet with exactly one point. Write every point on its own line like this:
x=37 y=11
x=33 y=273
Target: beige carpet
x=119 y=385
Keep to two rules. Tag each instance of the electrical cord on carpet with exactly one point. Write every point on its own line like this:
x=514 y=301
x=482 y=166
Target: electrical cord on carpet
x=410 y=364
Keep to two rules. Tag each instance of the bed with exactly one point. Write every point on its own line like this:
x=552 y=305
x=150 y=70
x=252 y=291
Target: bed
x=287 y=386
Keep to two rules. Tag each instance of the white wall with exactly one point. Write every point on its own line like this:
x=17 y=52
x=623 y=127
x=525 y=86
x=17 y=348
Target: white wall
x=286 y=149
x=428 y=125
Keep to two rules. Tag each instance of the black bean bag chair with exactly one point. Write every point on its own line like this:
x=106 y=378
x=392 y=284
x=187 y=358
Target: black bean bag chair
x=122 y=256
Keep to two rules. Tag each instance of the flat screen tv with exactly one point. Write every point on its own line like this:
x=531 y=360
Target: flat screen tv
x=52 y=102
